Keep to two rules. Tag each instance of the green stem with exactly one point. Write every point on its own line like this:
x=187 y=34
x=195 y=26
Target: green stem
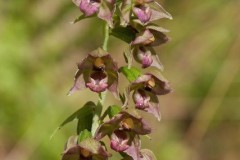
x=102 y=96
x=106 y=37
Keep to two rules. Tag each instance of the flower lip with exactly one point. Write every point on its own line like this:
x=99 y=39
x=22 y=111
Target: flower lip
x=143 y=56
x=119 y=140
x=141 y=99
x=89 y=7
x=97 y=82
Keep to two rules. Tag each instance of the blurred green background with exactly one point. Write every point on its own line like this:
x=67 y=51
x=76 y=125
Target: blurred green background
x=39 y=49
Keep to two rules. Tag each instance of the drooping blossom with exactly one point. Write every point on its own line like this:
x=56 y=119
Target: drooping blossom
x=136 y=153
x=122 y=129
x=145 y=11
x=98 y=72
x=145 y=91
x=143 y=44
x=88 y=149
x=103 y=8
x=151 y=37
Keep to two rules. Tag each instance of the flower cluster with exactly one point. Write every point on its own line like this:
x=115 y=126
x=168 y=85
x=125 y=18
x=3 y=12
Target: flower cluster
x=132 y=22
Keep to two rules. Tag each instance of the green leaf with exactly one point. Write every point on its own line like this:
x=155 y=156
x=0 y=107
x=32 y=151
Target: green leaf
x=126 y=34
x=95 y=119
x=111 y=111
x=84 y=135
x=130 y=73
x=114 y=110
x=84 y=116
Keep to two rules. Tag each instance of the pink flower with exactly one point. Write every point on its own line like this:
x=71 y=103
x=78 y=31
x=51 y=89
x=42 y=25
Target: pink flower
x=99 y=73
x=88 y=149
x=122 y=128
x=146 y=88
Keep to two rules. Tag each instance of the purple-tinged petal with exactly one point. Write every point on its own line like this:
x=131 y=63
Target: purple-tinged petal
x=157 y=28
x=98 y=53
x=72 y=153
x=89 y=7
x=143 y=56
x=108 y=127
x=151 y=83
x=119 y=140
x=146 y=60
x=135 y=124
x=98 y=82
x=153 y=107
x=106 y=11
x=159 y=12
x=123 y=121
x=141 y=99
x=113 y=86
x=147 y=155
x=144 y=38
x=78 y=85
x=156 y=61
x=134 y=149
x=143 y=13
x=84 y=68
x=112 y=73
x=147 y=102
x=76 y=2
x=139 y=82
x=161 y=87
x=160 y=38
x=85 y=150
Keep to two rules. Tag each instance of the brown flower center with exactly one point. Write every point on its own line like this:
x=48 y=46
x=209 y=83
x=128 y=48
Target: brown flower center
x=99 y=64
x=149 y=41
x=85 y=153
x=139 y=2
x=150 y=84
x=127 y=123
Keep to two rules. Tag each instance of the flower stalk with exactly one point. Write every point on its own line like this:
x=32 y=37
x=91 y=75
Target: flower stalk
x=132 y=22
x=106 y=37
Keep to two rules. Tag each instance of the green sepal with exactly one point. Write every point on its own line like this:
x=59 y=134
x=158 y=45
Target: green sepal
x=81 y=17
x=130 y=73
x=84 y=135
x=114 y=110
x=111 y=111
